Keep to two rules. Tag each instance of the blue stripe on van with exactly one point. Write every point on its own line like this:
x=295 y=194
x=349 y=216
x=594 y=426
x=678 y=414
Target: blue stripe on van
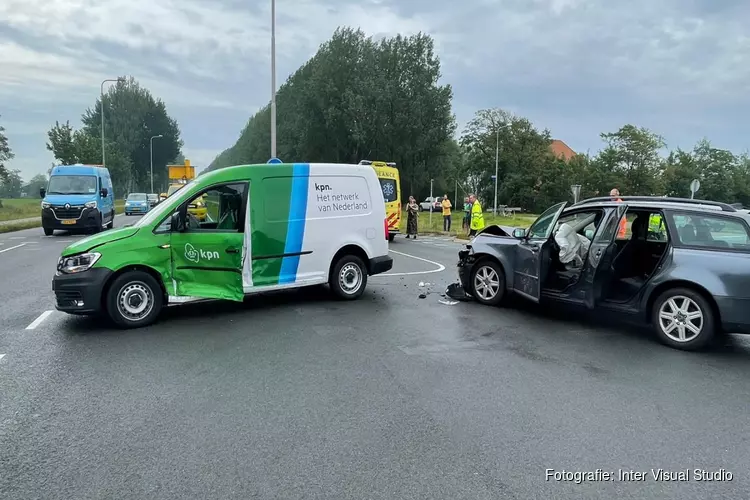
x=295 y=232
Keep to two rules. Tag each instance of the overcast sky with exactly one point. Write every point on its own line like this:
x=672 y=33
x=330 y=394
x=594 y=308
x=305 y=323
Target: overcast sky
x=577 y=67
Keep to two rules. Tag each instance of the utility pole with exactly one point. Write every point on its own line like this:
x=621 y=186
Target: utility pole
x=273 y=78
x=101 y=103
x=152 y=159
x=455 y=195
x=497 y=162
x=432 y=202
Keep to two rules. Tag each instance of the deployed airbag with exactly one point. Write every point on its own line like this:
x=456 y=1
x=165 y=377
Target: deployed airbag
x=573 y=246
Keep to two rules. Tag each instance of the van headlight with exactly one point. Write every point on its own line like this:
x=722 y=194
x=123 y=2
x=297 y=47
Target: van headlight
x=90 y=204
x=77 y=263
x=45 y=204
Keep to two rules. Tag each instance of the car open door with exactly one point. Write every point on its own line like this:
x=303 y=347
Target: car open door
x=207 y=257
x=532 y=254
x=598 y=270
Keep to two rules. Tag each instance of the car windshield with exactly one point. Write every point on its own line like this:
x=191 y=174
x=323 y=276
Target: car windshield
x=152 y=197
x=173 y=188
x=137 y=197
x=72 y=184
x=160 y=210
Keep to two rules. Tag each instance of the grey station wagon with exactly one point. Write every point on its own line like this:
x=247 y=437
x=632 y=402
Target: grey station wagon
x=681 y=265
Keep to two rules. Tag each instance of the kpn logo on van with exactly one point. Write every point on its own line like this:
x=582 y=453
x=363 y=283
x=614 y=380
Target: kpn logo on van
x=196 y=254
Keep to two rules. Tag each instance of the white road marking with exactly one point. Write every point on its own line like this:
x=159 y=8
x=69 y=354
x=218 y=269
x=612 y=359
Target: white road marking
x=39 y=320
x=17 y=238
x=11 y=248
x=2 y=356
x=440 y=267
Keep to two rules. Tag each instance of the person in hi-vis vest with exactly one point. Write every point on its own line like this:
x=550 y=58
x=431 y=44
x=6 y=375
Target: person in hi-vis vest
x=477 y=217
x=615 y=195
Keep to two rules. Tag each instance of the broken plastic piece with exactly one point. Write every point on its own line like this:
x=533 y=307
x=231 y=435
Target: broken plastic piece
x=422 y=295
x=448 y=302
x=456 y=292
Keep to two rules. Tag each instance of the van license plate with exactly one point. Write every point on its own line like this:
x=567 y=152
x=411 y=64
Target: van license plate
x=69 y=221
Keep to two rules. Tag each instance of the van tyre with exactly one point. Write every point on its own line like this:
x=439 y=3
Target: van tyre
x=111 y=221
x=683 y=319
x=48 y=231
x=348 y=278
x=391 y=237
x=134 y=299
x=487 y=282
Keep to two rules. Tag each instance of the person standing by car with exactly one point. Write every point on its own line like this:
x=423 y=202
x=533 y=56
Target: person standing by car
x=467 y=214
x=446 y=203
x=623 y=229
x=412 y=213
x=477 y=216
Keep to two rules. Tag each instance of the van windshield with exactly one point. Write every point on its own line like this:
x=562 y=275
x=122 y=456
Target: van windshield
x=72 y=184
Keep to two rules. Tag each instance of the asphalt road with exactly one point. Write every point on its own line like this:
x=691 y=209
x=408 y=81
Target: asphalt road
x=390 y=397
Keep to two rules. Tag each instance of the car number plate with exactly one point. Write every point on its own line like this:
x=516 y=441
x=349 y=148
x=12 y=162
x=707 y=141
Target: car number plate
x=69 y=221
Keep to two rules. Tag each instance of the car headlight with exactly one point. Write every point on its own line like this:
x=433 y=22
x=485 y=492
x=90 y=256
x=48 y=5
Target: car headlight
x=45 y=204
x=90 y=204
x=77 y=263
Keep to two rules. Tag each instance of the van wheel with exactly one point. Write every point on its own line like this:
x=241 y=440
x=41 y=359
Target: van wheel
x=348 y=277
x=48 y=231
x=134 y=300
x=111 y=222
x=488 y=282
x=683 y=319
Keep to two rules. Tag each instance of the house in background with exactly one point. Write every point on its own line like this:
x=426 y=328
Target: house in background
x=561 y=150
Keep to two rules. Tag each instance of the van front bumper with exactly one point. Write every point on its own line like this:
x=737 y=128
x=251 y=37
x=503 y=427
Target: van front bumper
x=89 y=218
x=80 y=293
x=382 y=264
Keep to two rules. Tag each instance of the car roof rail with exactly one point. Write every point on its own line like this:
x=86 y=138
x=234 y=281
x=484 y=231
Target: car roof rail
x=725 y=207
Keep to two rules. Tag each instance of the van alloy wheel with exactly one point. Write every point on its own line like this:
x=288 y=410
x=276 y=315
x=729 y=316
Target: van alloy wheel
x=350 y=278
x=681 y=319
x=486 y=283
x=135 y=301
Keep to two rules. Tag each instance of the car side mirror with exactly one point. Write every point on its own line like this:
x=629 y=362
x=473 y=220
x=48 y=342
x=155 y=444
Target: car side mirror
x=42 y=192
x=104 y=192
x=519 y=233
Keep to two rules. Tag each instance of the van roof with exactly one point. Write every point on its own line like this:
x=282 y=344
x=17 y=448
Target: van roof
x=78 y=169
x=269 y=170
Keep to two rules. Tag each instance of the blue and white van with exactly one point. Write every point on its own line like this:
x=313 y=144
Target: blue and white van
x=78 y=198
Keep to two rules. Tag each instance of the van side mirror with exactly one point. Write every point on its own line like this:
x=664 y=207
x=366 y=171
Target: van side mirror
x=519 y=233
x=104 y=192
x=176 y=224
x=42 y=192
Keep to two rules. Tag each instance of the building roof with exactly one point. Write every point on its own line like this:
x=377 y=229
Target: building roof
x=561 y=150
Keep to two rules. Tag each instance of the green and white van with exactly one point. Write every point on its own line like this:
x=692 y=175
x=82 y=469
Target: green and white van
x=269 y=227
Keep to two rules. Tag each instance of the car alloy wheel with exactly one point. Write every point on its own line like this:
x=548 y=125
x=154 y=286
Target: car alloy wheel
x=486 y=283
x=681 y=319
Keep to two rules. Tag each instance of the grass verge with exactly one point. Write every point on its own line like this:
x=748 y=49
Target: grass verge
x=11 y=226
x=424 y=225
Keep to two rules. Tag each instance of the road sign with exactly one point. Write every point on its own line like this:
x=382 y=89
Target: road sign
x=576 y=190
x=695 y=185
x=274 y=161
x=493 y=177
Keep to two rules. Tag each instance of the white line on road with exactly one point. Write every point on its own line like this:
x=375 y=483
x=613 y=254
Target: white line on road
x=2 y=356
x=439 y=268
x=17 y=238
x=11 y=248
x=39 y=320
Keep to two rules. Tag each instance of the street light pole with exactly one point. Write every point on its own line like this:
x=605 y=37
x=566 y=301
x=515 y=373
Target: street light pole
x=152 y=159
x=497 y=162
x=432 y=203
x=101 y=103
x=273 y=78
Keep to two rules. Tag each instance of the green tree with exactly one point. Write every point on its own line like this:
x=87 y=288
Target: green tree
x=10 y=186
x=71 y=146
x=359 y=99
x=6 y=154
x=131 y=117
x=37 y=182
x=632 y=155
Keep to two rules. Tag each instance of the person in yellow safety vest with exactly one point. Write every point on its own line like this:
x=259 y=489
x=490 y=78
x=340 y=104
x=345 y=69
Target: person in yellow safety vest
x=623 y=229
x=477 y=217
x=656 y=225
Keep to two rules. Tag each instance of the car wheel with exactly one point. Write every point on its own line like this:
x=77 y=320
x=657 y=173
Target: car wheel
x=48 y=231
x=488 y=282
x=134 y=300
x=348 y=278
x=683 y=319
